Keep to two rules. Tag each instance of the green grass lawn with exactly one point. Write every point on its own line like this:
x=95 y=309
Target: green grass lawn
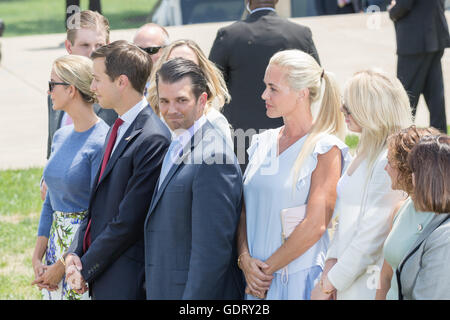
x=27 y=17
x=20 y=205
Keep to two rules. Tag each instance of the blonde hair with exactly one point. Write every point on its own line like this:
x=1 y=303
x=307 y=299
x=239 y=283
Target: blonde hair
x=88 y=20
x=77 y=71
x=378 y=103
x=214 y=78
x=302 y=71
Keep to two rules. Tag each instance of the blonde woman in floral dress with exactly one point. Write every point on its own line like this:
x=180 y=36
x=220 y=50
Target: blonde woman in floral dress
x=69 y=174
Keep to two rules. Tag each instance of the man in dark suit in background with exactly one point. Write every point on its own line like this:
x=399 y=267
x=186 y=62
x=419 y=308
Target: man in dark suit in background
x=242 y=51
x=190 y=230
x=108 y=251
x=422 y=35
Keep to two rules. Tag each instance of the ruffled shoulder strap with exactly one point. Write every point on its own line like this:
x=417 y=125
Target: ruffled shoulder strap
x=322 y=146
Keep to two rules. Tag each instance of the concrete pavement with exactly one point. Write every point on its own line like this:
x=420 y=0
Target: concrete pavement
x=346 y=44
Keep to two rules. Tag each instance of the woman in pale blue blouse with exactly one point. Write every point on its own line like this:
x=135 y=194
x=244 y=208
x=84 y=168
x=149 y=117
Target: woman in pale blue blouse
x=296 y=165
x=408 y=223
x=69 y=174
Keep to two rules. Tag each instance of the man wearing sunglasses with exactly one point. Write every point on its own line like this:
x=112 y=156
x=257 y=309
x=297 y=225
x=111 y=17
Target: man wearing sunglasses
x=151 y=38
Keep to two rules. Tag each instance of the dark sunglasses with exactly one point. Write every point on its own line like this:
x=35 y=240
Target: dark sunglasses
x=52 y=84
x=345 y=110
x=152 y=50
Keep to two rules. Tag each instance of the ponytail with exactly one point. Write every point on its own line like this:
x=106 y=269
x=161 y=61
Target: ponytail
x=329 y=120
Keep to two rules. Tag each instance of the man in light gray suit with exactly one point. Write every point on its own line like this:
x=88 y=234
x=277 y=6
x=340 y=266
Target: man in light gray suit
x=190 y=229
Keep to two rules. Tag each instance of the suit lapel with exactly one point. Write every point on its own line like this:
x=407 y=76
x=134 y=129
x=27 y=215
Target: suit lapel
x=187 y=151
x=135 y=128
x=103 y=154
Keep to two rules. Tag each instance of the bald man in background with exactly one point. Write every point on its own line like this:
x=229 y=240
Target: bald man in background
x=151 y=38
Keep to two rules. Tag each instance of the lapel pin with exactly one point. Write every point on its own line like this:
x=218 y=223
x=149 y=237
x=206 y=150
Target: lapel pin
x=127 y=138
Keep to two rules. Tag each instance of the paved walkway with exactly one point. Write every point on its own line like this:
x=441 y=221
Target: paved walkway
x=345 y=43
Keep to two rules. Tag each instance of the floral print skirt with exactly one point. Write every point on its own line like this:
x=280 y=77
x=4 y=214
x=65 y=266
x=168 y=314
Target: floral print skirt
x=64 y=228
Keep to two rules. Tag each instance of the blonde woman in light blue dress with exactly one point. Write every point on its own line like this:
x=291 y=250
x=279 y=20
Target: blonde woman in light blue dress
x=294 y=165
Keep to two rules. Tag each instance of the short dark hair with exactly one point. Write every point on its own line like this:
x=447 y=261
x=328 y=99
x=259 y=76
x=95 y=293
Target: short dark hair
x=125 y=58
x=176 y=69
x=430 y=162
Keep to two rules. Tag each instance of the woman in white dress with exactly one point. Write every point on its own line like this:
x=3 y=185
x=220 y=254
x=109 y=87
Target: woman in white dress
x=295 y=166
x=188 y=49
x=375 y=106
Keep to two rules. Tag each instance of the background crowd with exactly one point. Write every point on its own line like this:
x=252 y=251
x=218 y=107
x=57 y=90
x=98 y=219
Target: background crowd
x=148 y=194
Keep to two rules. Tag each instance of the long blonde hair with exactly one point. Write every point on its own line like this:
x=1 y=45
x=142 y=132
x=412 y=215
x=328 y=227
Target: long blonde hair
x=216 y=83
x=378 y=103
x=302 y=71
x=77 y=71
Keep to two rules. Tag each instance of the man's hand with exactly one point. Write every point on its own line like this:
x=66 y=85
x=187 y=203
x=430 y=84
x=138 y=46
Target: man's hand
x=73 y=274
x=257 y=281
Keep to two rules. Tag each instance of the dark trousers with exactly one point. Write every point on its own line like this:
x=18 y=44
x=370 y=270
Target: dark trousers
x=422 y=74
x=94 y=5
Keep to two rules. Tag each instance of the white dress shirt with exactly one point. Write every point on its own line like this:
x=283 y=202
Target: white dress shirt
x=128 y=118
x=261 y=9
x=178 y=143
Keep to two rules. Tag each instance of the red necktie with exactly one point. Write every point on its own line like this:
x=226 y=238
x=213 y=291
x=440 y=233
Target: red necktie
x=108 y=150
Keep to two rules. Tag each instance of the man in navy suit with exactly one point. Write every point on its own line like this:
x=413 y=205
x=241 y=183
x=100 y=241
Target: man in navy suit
x=422 y=35
x=242 y=50
x=190 y=230
x=108 y=252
